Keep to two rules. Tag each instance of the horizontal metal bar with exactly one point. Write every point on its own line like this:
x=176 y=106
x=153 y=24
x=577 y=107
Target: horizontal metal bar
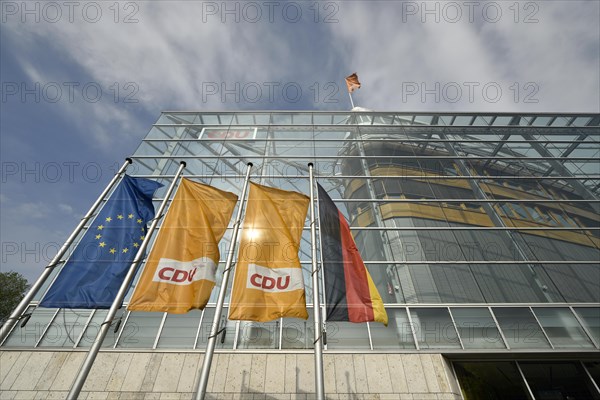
x=506 y=262
x=506 y=354
x=459 y=177
x=415 y=157
x=473 y=228
x=366 y=140
x=464 y=228
x=384 y=112
x=466 y=201
x=585 y=201
x=420 y=305
x=466 y=262
x=546 y=129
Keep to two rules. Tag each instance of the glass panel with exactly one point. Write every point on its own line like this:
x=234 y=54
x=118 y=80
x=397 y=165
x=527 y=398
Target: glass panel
x=558 y=380
x=396 y=335
x=28 y=335
x=258 y=335
x=490 y=381
x=562 y=328
x=477 y=328
x=65 y=329
x=520 y=211
x=94 y=327
x=590 y=317
x=140 y=330
x=593 y=368
x=180 y=330
x=297 y=333
x=347 y=335
x=226 y=335
x=434 y=328
x=520 y=328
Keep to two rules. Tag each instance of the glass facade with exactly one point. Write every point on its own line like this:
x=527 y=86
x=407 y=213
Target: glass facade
x=481 y=231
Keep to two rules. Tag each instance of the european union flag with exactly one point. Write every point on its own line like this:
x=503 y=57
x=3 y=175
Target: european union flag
x=95 y=271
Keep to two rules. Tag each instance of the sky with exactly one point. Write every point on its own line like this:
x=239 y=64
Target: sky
x=82 y=82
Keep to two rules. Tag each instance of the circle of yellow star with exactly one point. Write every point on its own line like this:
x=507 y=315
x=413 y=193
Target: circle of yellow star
x=119 y=216
x=98 y=236
x=102 y=244
x=139 y=221
x=136 y=245
x=108 y=219
x=100 y=227
x=125 y=250
x=142 y=237
x=112 y=251
x=130 y=216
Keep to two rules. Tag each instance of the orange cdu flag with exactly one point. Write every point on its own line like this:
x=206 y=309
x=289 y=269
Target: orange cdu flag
x=352 y=82
x=180 y=270
x=268 y=280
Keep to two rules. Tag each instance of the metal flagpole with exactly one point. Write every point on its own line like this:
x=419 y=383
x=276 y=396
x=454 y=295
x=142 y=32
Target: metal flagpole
x=319 y=385
x=18 y=311
x=91 y=356
x=214 y=330
x=351 y=101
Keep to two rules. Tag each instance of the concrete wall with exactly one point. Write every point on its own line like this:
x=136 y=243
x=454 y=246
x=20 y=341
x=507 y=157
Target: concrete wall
x=154 y=375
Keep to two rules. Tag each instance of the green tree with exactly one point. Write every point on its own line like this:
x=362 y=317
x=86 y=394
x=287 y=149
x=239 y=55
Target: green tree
x=12 y=289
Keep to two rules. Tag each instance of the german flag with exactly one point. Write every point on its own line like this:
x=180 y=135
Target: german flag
x=352 y=82
x=350 y=292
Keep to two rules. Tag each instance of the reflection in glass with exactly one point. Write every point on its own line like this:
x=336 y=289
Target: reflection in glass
x=558 y=380
x=226 y=333
x=29 y=335
x=520 y=328
x=398 y=333
x=593 y=367
x=297 y=333
x=258 y=335
x=562 y=328
x=434 y=328
x=477 y=328
x=490 y=381
x=590 y=317
x=179 y=330
x=140 y=330
x=65 y=329
x=89 y=336
x=347 y=335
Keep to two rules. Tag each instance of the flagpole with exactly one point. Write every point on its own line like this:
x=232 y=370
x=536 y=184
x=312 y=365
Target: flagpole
x=351 y=101
x=214 y=330
x=319 y=381
x=18 y=311
x=324 y=308
x=93 y=352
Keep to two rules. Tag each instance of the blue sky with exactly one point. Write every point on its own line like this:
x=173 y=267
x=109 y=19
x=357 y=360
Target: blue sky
x=82 y=84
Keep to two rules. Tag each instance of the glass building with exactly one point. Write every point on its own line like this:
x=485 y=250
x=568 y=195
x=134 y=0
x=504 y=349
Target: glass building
x=481 y=233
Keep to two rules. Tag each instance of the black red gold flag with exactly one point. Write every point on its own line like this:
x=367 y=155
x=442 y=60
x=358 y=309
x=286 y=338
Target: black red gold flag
x=350 y=292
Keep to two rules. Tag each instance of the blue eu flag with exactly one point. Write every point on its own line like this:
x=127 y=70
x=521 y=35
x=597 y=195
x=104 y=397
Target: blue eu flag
x=95 y=271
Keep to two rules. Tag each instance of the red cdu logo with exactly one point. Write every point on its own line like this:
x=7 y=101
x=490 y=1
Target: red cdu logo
x=221 y=134
x=274 y=279
x=176 y=275
x=266 y=282
x=184 y=272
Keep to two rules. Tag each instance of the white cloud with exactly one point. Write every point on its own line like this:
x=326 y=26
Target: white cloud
x=560 y=55
x=170 y=53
